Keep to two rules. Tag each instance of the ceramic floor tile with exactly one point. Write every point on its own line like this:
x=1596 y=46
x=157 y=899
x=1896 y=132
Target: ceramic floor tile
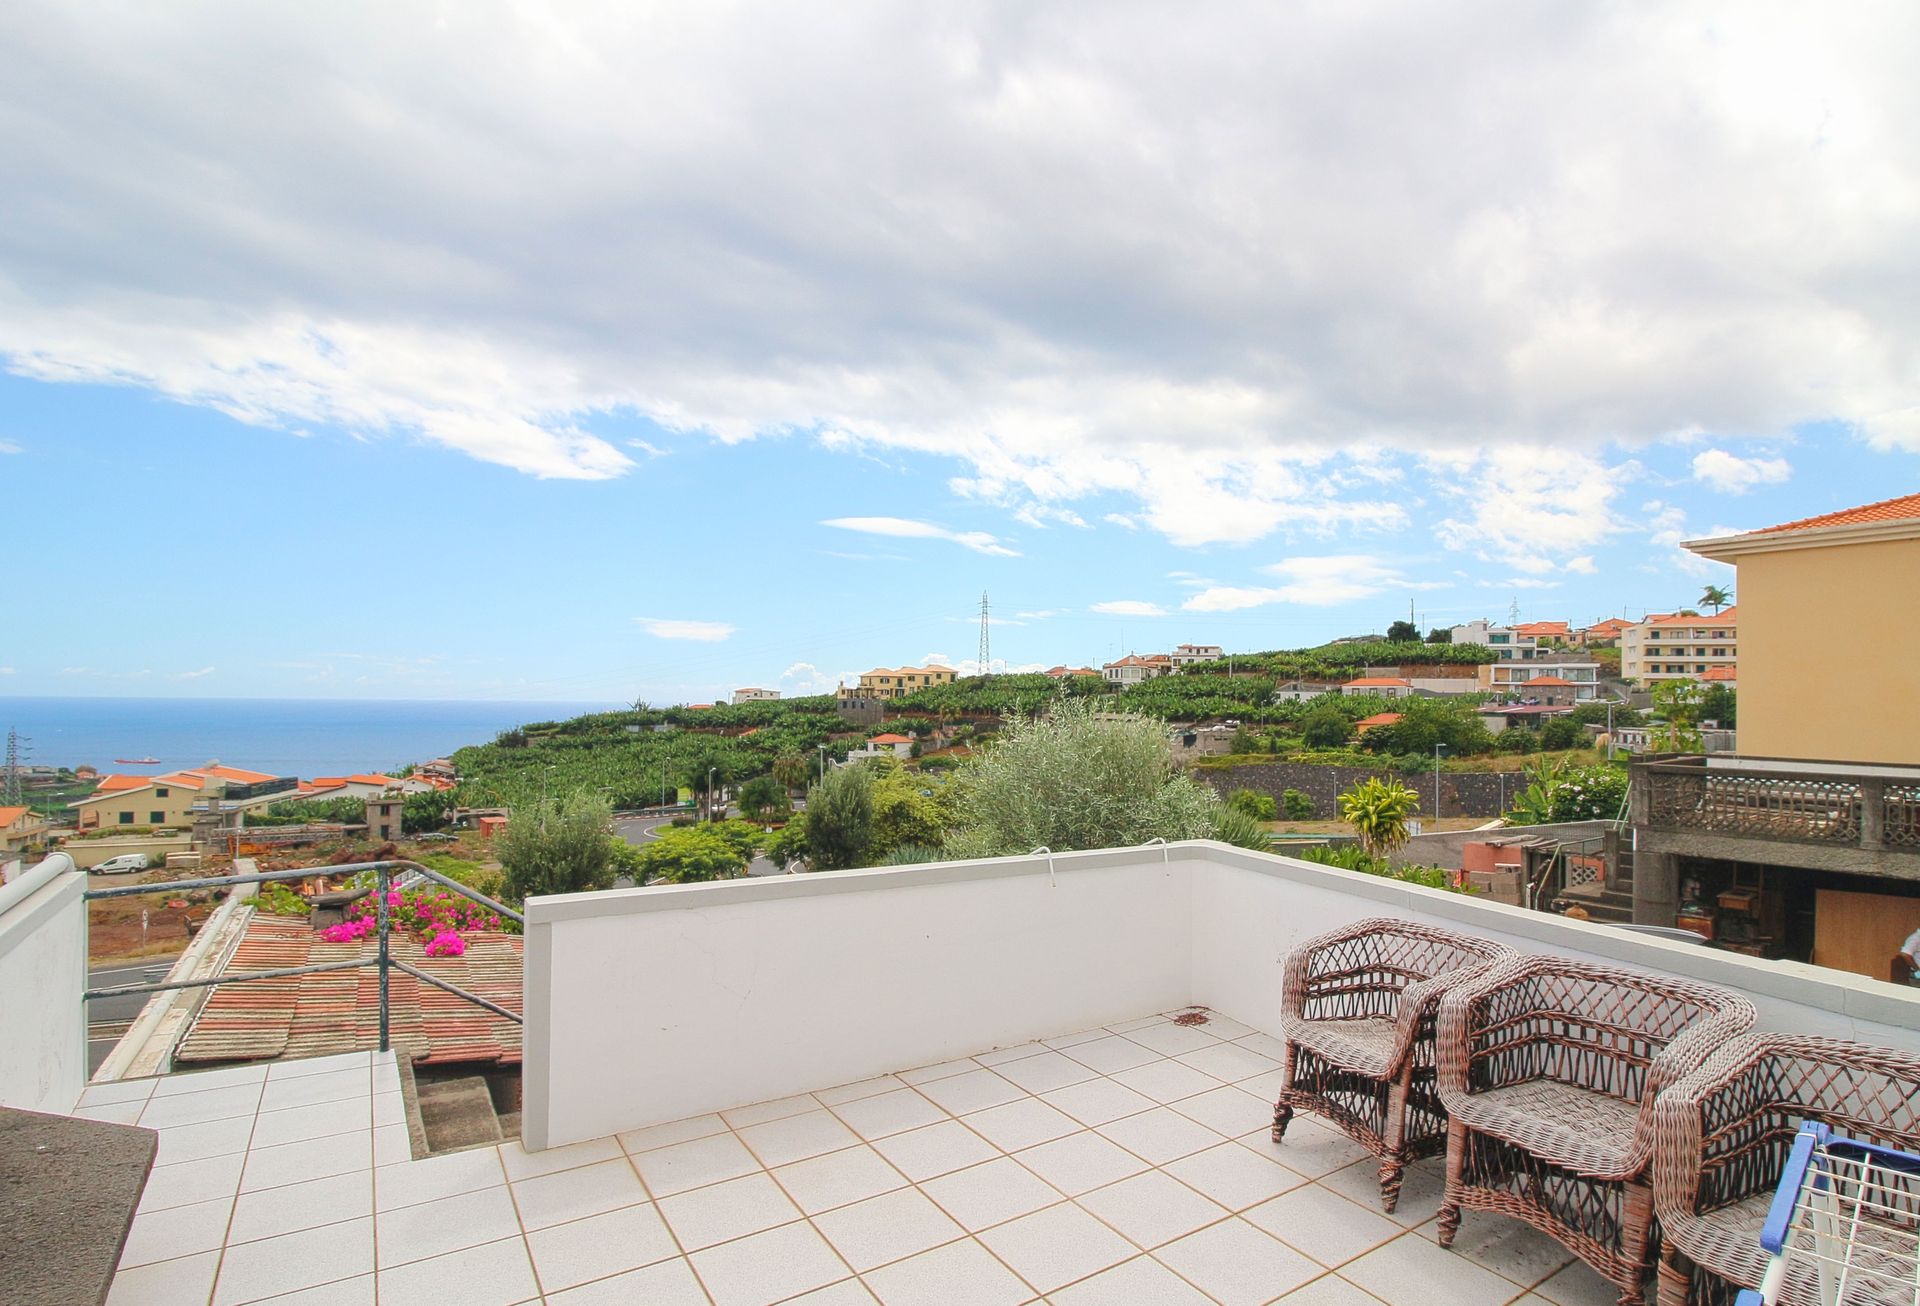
x=1139 y=1022
x=674 y=1131
x=1228 y=1111
x=1097 y=1101
x=1578 y=1285
x=702 y=1217
x=176 y=1231
x=1045 y=1071
x=357 y=1291
x=680 y=1166
x=1229 y=1062
x=853 y=1174
x=886 y=1228
x=1170 y=1040
x=974 y=1091
x=1052 y=1248
x=305 y=1090
x=196 y=1142
x=1309 y=1147
x=491 y=1274
x=185 y=1280
x=1323 y=1224
x=797 y=1137
x=1111 y=1053
x=1000 y=1056
x=1160 y=1135
x=1332 y=1290
x=197 y=1108
x=192 y=1181
x=1166 y=1081
x=1420 y=1191
x=1410 y=1271
x=315 y=1158
x=778 y=1109
x=985 y=1195
x=1080 y=1162
x=1225 y=1027
x=847 y=1292
x=1266 y=1045
x=271 y=1212
x=1152 y=1208
x=1141 y=1281
x=1233 y=1176
x=669 y=1283
x=522 y=1164
x=920 y=1154
x=119 y=1090
x=201 y=1081
x=126 y=1112
x=853 y=1092
x=1021 y=1124
x=418 y=1233
x=892 y=1112
x=434 y=1177
x=321 y=1120
x=273 y=1266
x=945 y=1069
x=610 y=1243
x=769 y=1267
x=1236 y=1264
x=391 y=1146
x=961 y=1271
x=1065 y=1041
x=1511 y=1249
x=573 y=1194
x=321 y=1065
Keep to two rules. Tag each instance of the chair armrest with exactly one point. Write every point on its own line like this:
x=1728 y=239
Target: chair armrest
x=1461 y=1034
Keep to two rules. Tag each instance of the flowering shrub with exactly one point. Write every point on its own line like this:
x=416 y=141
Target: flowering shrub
x=435 y=916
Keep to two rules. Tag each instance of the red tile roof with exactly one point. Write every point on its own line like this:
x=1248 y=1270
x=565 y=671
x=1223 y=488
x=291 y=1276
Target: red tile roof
x=1539 y=628
x=1719 y=673
x=891 y=739
x=1724 y=617
x=1549 y=681
x=238 y=775
x=1061 y=671
x=113 y=784
x=339 y=1011
x=8 y=815
x=1379 y=681
x=1901 y=509
x=1377 y=719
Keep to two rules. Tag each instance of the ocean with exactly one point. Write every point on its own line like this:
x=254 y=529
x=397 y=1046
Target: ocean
x=284 y=736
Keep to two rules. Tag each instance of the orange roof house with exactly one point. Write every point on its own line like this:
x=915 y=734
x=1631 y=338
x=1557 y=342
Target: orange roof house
x=1378 y=682
x=1377 y=719
x=891 y=739
x=1904 y=508
x=1720 y=676
x=1544 y=629
x=1547 y=682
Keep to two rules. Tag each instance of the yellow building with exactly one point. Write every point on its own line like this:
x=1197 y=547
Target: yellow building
x=1819 y=594
x=1671 y=647
x=164 y=800
x=20 y=828
x=886 y=682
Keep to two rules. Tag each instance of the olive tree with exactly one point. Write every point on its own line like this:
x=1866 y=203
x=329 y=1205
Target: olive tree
x=558 y=846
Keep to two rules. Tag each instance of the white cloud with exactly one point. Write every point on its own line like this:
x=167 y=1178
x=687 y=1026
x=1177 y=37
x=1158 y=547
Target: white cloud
x=1039 y=514
x=1041 y=615
x=8 y=446
x=1732 y=474
x=6 y=671
x=907 y=529
x=1032 y=245
x=648 y=448
x=1666 y=528
x=1531 y=509
x=1129 y=608
x=1313 y=581
x=964 y=667
x=804 y=678
x=1121 y=520
x=1520 y=583
x=709 y=632
x=194 y=675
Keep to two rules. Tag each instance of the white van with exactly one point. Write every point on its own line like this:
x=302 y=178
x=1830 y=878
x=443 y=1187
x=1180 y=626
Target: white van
x=124 y=864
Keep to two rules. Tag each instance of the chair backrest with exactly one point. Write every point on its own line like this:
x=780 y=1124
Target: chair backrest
x=1361 y=970
x=1601 y=1028
x=1756 y=1091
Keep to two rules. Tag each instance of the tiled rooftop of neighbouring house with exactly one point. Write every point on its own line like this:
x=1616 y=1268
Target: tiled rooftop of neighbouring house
x=1127 y=1165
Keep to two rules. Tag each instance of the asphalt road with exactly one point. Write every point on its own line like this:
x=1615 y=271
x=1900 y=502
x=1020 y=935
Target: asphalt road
x=108 y=1018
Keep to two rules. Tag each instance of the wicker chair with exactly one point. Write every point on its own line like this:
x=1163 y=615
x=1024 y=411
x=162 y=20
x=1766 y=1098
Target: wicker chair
x=1549 y=1068
x=1357 y=1010
x=1722 y=1135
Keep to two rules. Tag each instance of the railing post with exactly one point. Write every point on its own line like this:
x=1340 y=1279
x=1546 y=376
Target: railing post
x=1873 y=812
x=380 y=888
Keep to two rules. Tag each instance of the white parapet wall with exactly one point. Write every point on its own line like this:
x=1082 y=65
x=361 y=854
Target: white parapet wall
x=43 y=972
x=648 y=1005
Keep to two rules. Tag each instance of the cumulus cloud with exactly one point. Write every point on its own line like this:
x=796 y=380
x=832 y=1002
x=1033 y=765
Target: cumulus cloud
x=706 y=632
x=8 y=446
x=1121 y=520
x=1666 y=528
x=1732 y=474
x=1129 y=608
x=194 y=675
x=804 y=678
x=971 y=666
x=1313 y=581
x=906 y=528
x=1076 y=251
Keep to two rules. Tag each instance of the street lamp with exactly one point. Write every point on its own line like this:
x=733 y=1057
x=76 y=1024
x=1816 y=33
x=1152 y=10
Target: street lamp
x=1437 y=750
x=823 y=761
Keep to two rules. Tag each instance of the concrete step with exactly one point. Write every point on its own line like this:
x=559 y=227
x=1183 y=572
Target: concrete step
x=457 y=1113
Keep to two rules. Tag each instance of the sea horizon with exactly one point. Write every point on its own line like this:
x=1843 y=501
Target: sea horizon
x=302 y=737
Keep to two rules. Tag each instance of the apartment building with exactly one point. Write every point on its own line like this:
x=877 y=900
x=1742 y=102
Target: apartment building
x=1670 y=646
x=1519 y=643
x=1187 y=654
x=898 y=682
x=1550 y=677
x=755 y=696
x=166 y=800
x=1806 y=843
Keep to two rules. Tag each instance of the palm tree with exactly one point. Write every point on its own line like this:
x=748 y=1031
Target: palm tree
x=1716 y=598
x=1378 y=810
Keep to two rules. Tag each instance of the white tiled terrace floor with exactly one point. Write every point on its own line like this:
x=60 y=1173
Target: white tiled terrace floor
x=1127 y=1165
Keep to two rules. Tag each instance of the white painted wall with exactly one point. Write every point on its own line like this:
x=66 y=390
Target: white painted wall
x=43 y=972
x=649 y=1005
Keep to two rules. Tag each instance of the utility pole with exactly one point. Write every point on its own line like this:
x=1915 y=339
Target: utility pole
x=10 y=789
x=986 y=647
x=1436 y=781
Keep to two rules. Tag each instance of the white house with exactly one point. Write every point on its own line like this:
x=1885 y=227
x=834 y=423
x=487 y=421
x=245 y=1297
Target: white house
x=1188 y=654
x=1379 y=686
x=1134 y=670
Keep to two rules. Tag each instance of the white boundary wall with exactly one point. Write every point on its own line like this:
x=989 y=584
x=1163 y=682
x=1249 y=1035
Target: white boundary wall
x=648 y=1005
x=43 y=972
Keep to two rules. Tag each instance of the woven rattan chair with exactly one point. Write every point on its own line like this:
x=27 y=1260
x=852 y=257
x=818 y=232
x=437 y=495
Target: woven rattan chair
x=1548 y=1069
x=1357 y=1010
x=1722 y=1135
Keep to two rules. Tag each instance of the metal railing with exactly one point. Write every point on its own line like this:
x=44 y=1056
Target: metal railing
x=384 y=876
x=1838 y=806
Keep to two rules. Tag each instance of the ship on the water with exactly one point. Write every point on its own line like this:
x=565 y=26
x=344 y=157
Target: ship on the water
x=136 y=761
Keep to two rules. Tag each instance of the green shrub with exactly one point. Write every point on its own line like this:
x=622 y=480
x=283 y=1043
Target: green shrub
x=1296 y=806
x=1351 y=857
x=276 y=899
x=1259 y=806
x=1326 y=727
x=1237 y=826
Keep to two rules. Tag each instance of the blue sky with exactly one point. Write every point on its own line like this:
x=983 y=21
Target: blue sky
x=633 y=352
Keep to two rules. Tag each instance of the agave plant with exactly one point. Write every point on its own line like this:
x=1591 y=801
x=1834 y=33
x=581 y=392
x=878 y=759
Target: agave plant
x=1378 y=809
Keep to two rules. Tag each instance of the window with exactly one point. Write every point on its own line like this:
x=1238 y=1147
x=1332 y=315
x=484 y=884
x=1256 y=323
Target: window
x=156 y=818
x=1701 y=667
x=126 y=818
x=1719 y=652
x=160 y=793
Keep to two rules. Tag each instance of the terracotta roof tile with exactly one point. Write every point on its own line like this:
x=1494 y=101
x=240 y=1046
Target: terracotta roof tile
x=1901 y=509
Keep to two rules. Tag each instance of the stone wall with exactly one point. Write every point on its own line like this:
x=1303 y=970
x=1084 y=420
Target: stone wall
x=1468 y=794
